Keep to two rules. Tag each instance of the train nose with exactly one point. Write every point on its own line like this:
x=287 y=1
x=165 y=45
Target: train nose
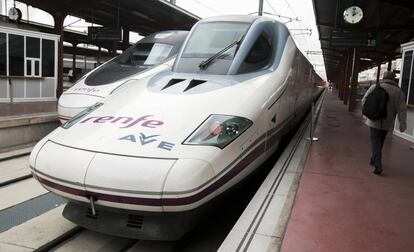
x=120 y=181
x=147 y=184
x=114 y=180
x=62 y=170
x=128 y=182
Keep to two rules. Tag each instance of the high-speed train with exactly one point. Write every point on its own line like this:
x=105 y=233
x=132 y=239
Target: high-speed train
x=150 y=55
x=146 y=160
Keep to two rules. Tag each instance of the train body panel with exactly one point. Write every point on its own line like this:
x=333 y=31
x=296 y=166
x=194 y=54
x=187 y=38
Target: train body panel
x=173 y=141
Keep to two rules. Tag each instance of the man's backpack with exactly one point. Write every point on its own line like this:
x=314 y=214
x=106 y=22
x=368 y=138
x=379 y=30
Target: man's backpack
x=375 y=106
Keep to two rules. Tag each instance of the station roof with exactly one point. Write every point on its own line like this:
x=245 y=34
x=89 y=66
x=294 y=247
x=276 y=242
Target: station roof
x=70 y=36
x=143 y=17
x=386 y=24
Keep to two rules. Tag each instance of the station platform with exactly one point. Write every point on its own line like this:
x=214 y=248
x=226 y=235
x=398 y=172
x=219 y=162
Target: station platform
x=23 y=124
x=26 y=108
x=340 y=204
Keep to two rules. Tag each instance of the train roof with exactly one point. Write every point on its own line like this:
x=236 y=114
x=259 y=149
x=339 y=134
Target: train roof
x=222 y=45
x=168 y=37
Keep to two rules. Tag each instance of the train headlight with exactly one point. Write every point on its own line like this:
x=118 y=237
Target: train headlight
x=79 y=116
x=219 y=130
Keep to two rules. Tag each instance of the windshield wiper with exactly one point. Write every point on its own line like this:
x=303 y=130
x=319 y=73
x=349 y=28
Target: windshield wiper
x=205 y=63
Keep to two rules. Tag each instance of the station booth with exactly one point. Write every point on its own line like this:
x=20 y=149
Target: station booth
x=28 y=65
x=406 y=84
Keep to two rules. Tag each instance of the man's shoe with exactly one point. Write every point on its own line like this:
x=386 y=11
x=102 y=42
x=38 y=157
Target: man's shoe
x=378 y=170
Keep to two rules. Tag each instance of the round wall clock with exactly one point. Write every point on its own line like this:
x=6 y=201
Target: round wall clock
x=15 y=14
x=353 y=14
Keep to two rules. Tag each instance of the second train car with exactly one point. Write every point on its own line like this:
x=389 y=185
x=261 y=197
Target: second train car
x=150 y=55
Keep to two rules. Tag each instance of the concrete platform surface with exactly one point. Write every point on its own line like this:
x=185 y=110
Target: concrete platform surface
x=14 y=168
x=340 y=204
x=36 y=232
x=24 y=108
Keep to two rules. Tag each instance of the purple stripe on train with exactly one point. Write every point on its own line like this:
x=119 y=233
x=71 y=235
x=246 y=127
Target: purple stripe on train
x=258 y=151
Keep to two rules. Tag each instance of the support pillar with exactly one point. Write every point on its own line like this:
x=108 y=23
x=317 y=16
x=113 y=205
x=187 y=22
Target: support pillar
x=341 y=80
x=345 y=82
x=98 y=58
x=74 y=74
x=114 y=49
x=84 y=63
x=59 y=18
x=389 y=65
x=378 y=72
x=125 y=38
x=347 y=76
x=354 y=80
x=260 y=8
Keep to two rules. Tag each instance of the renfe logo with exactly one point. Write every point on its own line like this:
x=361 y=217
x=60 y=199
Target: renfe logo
x=86 y=89
x=124 y=120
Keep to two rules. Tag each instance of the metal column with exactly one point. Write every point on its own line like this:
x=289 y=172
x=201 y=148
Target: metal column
x=347 y=77
x=378 y=72
x=125 y=38
x=59 y=18
x=74 y=46
x=354 y=80
x=260 y=7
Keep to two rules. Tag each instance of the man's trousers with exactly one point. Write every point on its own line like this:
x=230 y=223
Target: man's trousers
x=377 y=142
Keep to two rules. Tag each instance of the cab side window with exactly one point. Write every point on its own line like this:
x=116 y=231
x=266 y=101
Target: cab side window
x=259 y=56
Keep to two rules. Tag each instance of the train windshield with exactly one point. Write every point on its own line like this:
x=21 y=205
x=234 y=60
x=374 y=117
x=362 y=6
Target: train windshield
x=210 y=38
x=145 y=54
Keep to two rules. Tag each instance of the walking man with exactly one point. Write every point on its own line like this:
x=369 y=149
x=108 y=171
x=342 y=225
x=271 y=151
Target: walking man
x=379 y=128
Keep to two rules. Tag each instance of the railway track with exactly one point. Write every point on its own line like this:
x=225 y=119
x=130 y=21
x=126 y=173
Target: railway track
x=14 y=168
x=14 y=180
x=53 y=244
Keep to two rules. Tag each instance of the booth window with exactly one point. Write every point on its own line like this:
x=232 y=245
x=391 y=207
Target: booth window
x=32 y=56
x=407 y=79
x=259 y=55
x=33 y=47
x=48 y=58
x=3 y=54
x=16 y=55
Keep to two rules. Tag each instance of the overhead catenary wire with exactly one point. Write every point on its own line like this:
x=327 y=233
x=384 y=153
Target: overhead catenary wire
x=271 y=7
x=300 y=25
x=207 y=7
x=302 y=29
x=276 y=15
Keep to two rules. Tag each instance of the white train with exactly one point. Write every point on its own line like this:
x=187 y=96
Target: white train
x=150 y=55
x=146 y=160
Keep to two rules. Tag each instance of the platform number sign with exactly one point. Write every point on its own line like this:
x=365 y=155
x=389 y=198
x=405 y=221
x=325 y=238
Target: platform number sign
x=104 y=33
x=371 y=42
x=354 y=38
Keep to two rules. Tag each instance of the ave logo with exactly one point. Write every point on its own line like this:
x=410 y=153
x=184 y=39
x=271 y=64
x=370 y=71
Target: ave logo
x=143 y=139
